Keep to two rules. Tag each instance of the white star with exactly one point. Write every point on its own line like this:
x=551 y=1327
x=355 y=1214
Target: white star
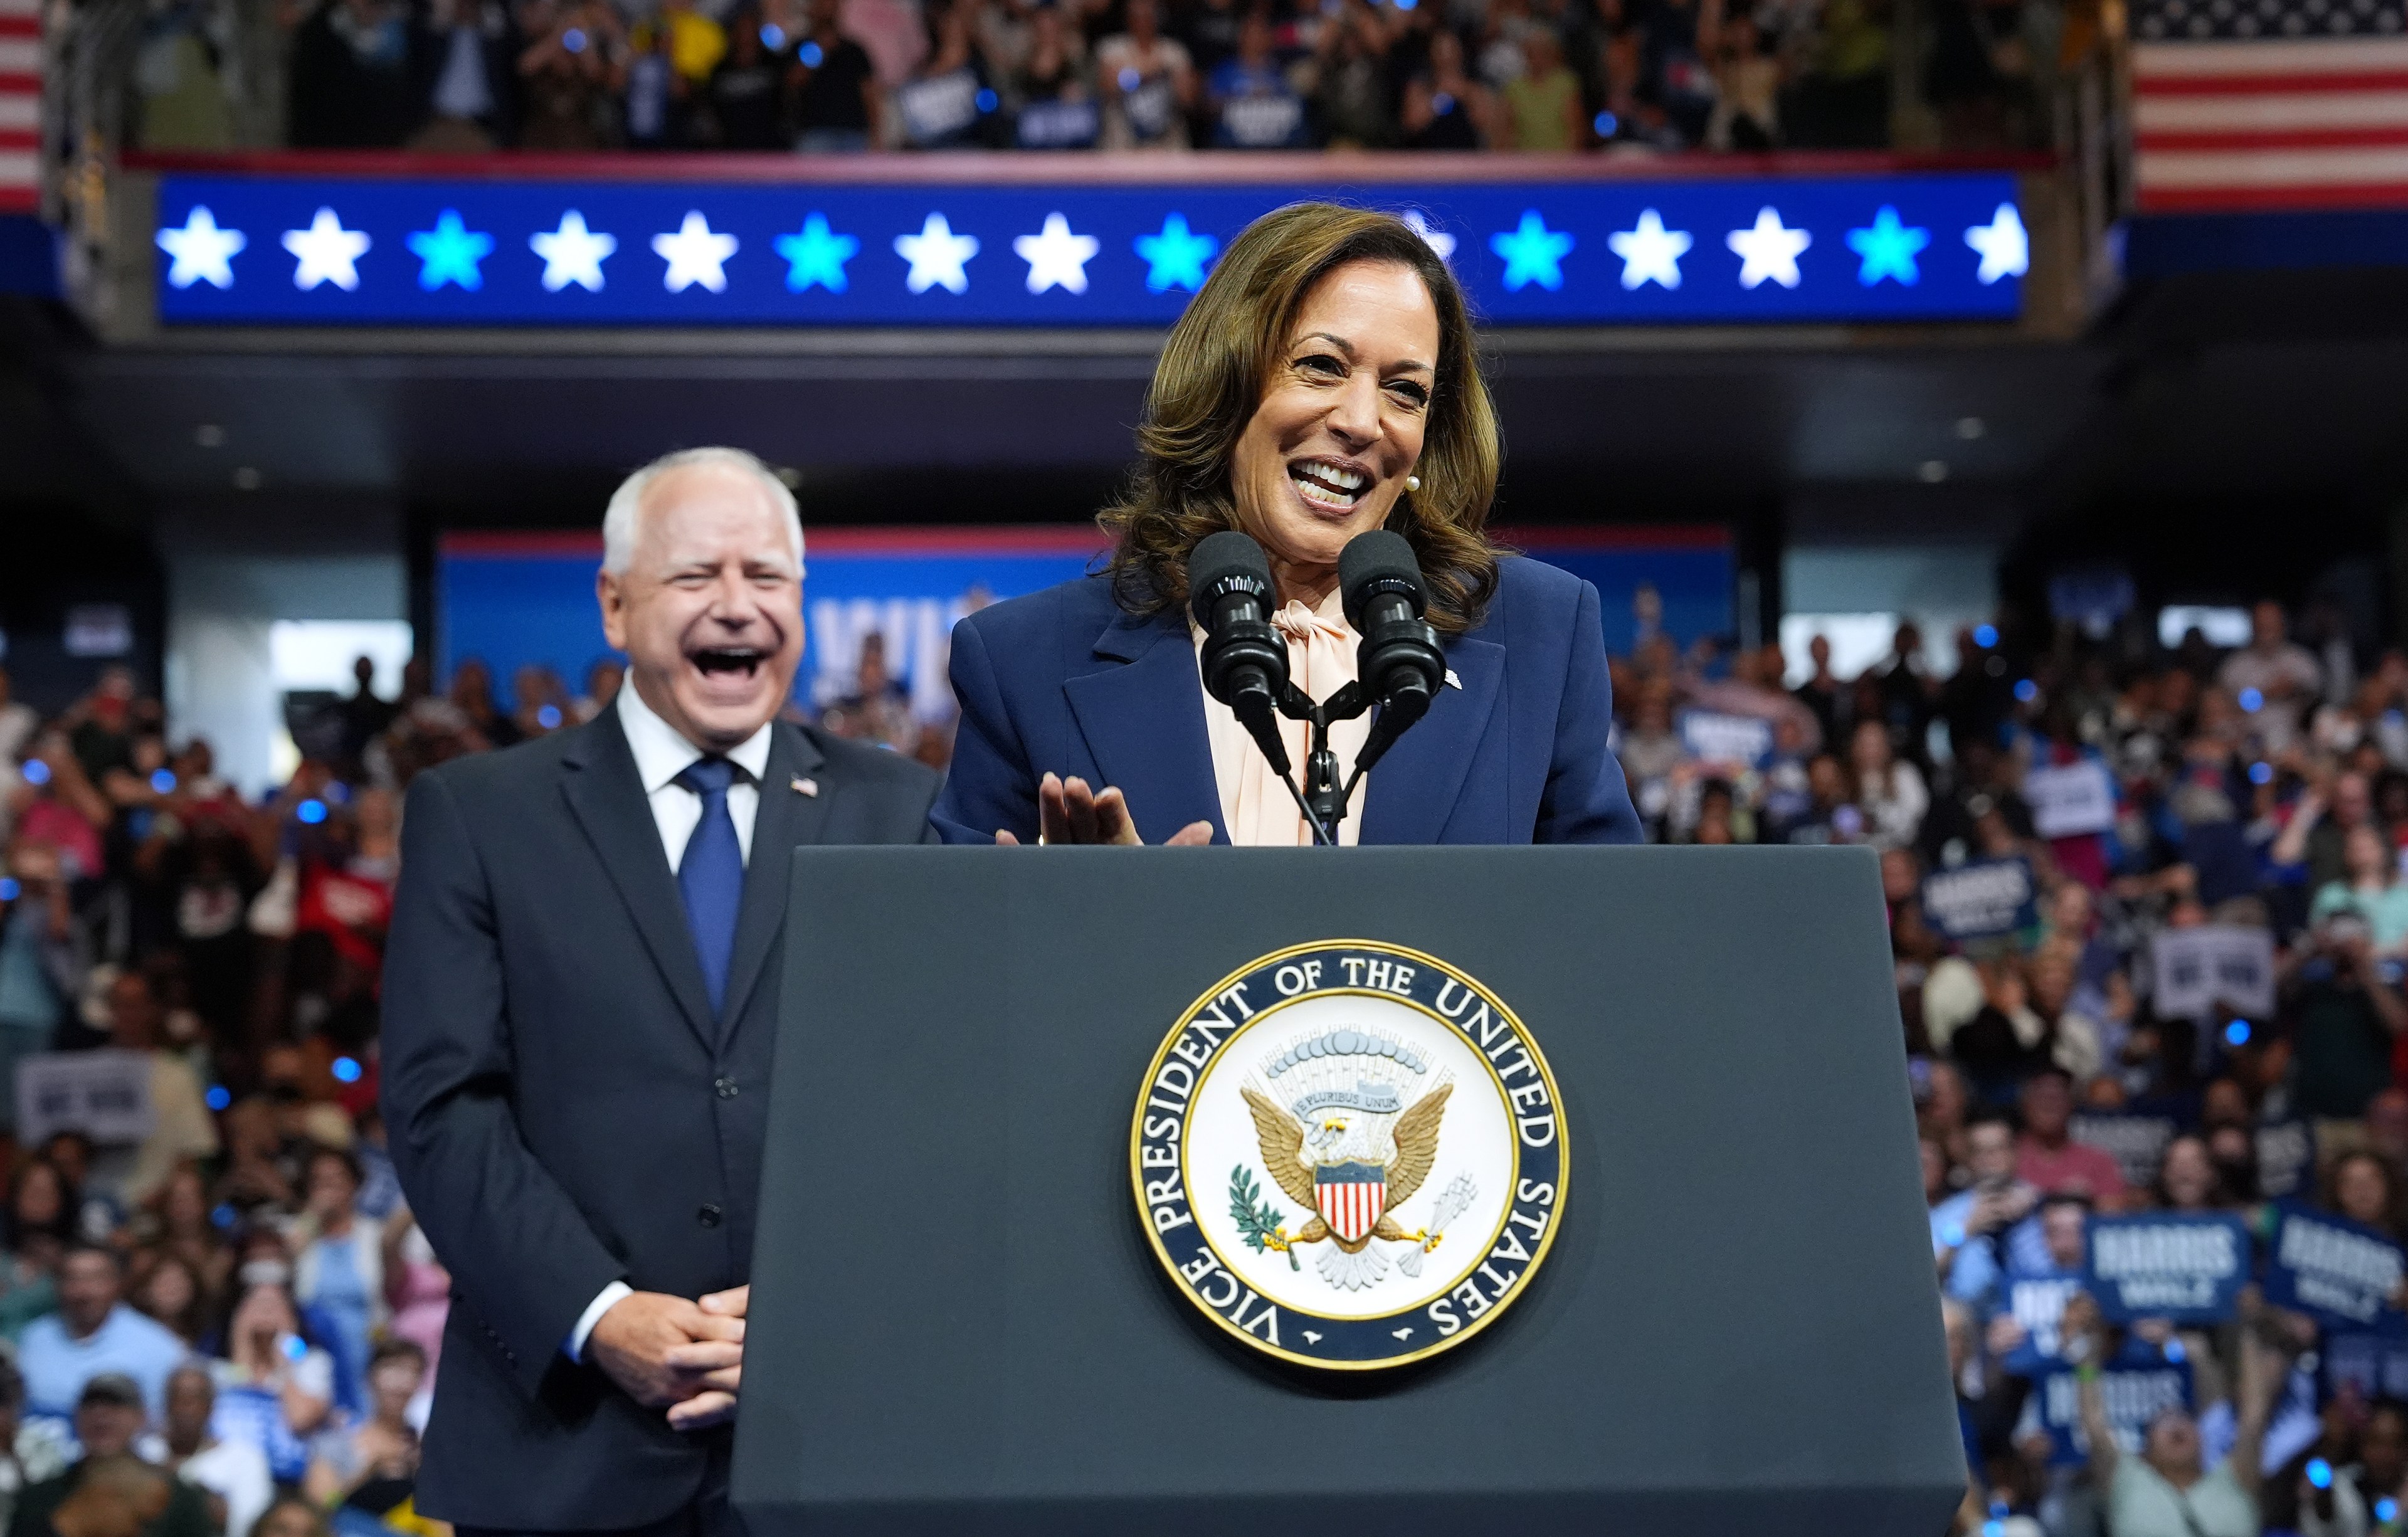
x=326 y=252
x=202 y=251
x=573 y=253
x=937 y=255
x=1436 y=238
x=1057 y=258
x=1768 y=251
x=1651 y=253
x=694 y=255
x=2005 y=249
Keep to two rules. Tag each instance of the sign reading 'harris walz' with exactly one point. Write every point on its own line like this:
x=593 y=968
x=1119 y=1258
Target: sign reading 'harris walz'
x=1349 y=1154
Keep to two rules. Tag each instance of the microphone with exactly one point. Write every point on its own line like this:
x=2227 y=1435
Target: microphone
x=1398 y=662
x=1244 y=662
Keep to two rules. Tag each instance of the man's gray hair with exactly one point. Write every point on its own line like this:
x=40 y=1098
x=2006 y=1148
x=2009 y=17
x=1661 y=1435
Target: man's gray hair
x=619 y=519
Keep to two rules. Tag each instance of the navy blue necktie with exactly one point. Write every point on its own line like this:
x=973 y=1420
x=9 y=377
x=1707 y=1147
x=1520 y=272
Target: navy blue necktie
x=710 y=876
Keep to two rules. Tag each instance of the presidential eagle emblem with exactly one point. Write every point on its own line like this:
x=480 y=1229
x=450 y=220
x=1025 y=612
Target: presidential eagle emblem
x=1353 y=1104
x=1349 y=1148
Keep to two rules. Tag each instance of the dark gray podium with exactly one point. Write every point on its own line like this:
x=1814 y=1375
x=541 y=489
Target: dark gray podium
x=958 y=1325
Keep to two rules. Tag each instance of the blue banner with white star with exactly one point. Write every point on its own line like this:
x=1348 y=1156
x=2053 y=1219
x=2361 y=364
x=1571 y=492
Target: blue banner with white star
x=274 y=249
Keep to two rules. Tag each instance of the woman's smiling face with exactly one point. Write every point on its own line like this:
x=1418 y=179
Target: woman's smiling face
x=1339 y=425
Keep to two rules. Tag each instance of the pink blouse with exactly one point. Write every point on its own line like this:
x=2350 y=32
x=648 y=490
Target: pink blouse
x=1255 y=807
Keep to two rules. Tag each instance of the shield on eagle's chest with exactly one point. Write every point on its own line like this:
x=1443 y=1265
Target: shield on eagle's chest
x=1351 y=1196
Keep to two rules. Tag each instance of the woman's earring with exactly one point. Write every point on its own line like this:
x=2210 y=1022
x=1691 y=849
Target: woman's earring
x=1413 y=483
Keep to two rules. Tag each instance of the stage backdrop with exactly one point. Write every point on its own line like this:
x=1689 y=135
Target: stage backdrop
x=512 y=600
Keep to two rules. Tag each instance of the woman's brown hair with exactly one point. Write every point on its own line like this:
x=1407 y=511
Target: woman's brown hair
x=1211 y=378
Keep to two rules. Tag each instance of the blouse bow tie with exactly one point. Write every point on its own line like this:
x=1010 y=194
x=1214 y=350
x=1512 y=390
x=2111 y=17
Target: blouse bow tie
x=1299 y=625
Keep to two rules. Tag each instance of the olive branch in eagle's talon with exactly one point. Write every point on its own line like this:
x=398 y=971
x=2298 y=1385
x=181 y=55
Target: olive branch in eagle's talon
x=1257 y=1221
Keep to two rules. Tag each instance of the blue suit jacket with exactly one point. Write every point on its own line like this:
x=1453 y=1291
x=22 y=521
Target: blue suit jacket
x=1063 y=681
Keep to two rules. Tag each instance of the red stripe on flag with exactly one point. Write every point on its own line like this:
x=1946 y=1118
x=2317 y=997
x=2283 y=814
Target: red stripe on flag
x=2393 y=195
x=21 y=139
x=20 y=27
x=2271 y=138
x=20 y=199
x=2146 y=84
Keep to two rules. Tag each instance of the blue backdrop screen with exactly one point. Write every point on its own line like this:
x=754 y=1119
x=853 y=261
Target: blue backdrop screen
x=257 y=249
x=514 y=600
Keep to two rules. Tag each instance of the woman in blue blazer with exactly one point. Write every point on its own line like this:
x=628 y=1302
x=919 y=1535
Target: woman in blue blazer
x=1321 y=384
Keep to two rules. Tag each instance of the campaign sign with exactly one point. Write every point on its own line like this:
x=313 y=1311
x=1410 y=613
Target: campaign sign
x=2342 y=1274
x=2137 y=1387
x=2186 y=1266
x=2136 y=1141
x=2215 y=966
x=1981 y=899
x=2286 y=1157
x=2070 y=800
x=1712 y=737
x=2376 y=1364
x=106 y=1094
x=2037 y=1303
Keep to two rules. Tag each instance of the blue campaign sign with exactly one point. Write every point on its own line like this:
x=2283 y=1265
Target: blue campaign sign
x=2376 y=1364
x=2136 y=1140
x=256 y=248
x=2188 y=1267
x=1981 y=898
x=2342 y=1274
x=2136 y=1386
x=2037 y=1303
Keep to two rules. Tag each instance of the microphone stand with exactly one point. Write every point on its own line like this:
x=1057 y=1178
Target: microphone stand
x=1321 y=799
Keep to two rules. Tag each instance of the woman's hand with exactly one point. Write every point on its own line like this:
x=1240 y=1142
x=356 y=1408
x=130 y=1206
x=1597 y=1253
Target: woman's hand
x=1068 y=812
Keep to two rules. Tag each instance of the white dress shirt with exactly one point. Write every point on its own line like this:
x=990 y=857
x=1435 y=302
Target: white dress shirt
x=661 y=756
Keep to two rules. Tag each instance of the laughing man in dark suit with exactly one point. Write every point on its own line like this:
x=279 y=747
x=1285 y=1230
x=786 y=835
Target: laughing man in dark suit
x=581 y=1000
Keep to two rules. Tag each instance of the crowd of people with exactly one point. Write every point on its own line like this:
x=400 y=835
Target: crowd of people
x=2261 y=792
x=229 y=1288
x=835 y=76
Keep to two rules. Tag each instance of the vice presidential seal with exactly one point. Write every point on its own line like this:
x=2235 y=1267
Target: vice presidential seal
x=1350 y=1154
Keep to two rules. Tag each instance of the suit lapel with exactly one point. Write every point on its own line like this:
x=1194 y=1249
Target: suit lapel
x=1415 y=788
x=786 y=817
x=607 y=797
x=1144 y=722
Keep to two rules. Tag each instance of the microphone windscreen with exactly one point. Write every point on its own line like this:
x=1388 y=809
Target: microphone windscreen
x=1219 y=559
x=1380 y=560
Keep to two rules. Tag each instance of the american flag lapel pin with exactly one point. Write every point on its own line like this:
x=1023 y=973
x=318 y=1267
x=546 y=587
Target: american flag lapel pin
x=1452 y=680
x=803 y=786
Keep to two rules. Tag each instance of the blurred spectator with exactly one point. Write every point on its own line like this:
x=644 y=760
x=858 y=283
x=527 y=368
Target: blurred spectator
x=878 y=709
x=181 y=1124
x=1254 y=106
x=1543 y=103
x=360 y=76
x=374 y=1460
x=165 y=1291
x=338 y=1268
x=93 y=1333
x=571 y=74
x=837 y=102
x=275 y=1389
x=1048 y=87
x=949 y=102
x=2046 y=1157
x=2273 y=675
x=109 y=1491
x=1444 y=107
x=233 y=1477
x=1889 y=793
x=1147 y=82
x=747 y=96
x=472 y=108
x=291 y=1516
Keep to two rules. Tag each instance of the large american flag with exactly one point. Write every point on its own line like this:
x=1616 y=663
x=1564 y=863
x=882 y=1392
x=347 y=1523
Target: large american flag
x=20 y=106
x=2270 y=104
